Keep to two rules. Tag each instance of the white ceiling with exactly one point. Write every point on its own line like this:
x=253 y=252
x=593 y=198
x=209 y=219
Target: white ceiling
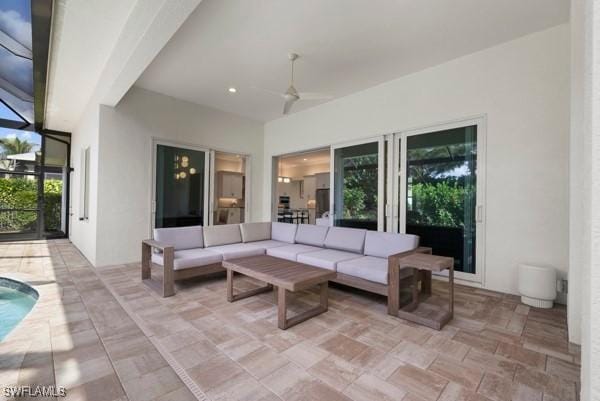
x=305 y=159
x=345 y=45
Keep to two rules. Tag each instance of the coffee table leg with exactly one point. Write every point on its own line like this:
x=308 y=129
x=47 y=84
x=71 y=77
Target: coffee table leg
x=284 y=323
x=323 y=287
x=275 y=294
x=281 y=308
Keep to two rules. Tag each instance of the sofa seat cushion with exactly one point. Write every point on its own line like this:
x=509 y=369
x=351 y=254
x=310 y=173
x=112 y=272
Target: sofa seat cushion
x=370 y=268
x=234 y=251
x=291 y=252
x=327 y=258
x=188 y=258
x=181 y=237
x=268 y=244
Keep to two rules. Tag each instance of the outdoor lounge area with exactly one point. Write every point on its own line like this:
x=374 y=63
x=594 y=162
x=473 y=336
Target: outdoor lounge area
x=277 y=200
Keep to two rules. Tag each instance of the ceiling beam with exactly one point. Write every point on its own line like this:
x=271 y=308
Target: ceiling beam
x=150 y=26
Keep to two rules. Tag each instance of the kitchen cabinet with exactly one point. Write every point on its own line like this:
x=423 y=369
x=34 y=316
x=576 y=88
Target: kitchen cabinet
x=310 y=187
x=322 y=180
x=284 y=188
x=231 y=185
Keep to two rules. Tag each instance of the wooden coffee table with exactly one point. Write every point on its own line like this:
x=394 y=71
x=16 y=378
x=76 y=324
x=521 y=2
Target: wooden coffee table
x=281 y=276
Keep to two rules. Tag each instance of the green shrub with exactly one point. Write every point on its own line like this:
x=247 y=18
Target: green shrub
x=22 y=193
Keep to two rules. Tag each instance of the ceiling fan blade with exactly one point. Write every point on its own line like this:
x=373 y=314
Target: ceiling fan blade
x=288 y=104
x=314 y=96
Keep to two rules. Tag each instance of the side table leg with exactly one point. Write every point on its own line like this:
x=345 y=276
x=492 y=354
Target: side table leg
x=229 y=285
x=393 y=287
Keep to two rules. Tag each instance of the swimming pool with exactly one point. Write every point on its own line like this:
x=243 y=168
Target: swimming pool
x=16 y=300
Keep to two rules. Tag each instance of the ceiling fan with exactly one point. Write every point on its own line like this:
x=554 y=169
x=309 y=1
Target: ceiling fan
x=291 y=95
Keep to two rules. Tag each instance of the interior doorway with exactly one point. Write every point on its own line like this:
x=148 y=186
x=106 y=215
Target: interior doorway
x=229 y=188
x=302 y=187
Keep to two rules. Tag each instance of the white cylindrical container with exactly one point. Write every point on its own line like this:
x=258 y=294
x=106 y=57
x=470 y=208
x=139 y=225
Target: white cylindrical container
x=537 y=285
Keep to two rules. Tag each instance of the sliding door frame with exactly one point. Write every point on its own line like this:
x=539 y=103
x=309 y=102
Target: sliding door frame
x=397 y=177
x=380 y=139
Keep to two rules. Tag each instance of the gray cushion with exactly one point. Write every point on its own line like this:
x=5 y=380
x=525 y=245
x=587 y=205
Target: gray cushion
x=284 y=232
x=386 y=244
x=346 y=239
x=234 y=251
x=190 y=258
x=180 y=237
x=311 y=235
x=255 y=231
x=367 y=267
x=269 y=244
x=291 y=252
x=222 y=235
x=327 y=258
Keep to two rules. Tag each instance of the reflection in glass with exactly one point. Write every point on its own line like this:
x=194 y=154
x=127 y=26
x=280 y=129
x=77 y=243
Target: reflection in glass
x=355 y=185
x=179 y=193
x=441 y=193
x=55 y=177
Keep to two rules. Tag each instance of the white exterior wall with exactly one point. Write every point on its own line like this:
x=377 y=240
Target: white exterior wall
x=121 y=218
x=85 y=134
x=522 y=87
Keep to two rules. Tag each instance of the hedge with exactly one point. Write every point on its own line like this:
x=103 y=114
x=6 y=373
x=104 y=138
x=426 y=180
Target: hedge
x=21 y=193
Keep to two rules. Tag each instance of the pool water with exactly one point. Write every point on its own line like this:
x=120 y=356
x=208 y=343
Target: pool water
x=16 y=300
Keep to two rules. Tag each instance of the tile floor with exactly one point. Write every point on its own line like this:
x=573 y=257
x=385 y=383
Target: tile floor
x=109 y=335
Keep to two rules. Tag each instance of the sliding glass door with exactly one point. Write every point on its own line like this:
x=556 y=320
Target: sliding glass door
x=181 y=186
x=439 y=192
x=358 y=184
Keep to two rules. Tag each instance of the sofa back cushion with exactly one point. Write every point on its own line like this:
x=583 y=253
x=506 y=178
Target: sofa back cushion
x=346 y=239
x=222 y=235
x=180 y=237
x=311 y=235
x=284 y=232
x=255 y=231
x=386 y=244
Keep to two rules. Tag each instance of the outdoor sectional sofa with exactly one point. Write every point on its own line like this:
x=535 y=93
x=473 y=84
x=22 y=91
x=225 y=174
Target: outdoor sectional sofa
x=362 y=259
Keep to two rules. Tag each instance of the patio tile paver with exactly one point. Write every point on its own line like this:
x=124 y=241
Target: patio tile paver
x=108 y=322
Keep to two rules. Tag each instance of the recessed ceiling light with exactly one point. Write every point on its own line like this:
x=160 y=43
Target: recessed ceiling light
x=232 y=90
x=305 y=159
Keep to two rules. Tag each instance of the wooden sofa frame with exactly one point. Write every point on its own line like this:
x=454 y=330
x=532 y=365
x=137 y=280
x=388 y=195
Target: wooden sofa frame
x=169 y=272
x=391 y=291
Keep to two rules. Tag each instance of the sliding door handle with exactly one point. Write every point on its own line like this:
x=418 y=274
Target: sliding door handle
x=479 y=214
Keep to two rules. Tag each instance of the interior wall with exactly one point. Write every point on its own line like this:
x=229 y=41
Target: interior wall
x=125 y=180
x=522 y=87
x=299 y=172
x=83 y=232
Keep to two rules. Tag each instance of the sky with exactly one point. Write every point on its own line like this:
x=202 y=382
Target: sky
x=30 y=137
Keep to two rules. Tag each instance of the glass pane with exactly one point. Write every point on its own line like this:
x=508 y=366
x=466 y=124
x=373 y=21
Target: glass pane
x=18 y=221
x=16 y=66
x=441 y=193
x=355 y=186
x=179 y=187
x=18 y=192
x=55 y=175
x=19 y=151
x=230 y=185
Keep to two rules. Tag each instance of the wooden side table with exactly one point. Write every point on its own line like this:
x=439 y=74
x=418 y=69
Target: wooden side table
x=423 y=263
